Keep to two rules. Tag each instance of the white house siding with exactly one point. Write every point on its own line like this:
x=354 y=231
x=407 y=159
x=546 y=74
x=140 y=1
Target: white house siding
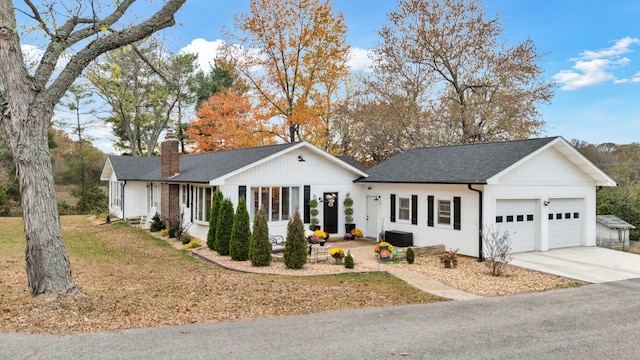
x=136 y=198
x=286 y=171
x=465 y=239
x=547 y=178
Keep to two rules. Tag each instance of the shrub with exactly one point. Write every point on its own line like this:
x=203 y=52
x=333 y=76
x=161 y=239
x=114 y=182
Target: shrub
x=295 y=248
x=496 y=247
x=156 y=224
x=216 y=201
x=348 y=261
x=313 y=211
x=193 y=244
x=410 y=256
x=185 y=238
x=260 y=246
x=164 y=232
x=348 y=210
x=450 y=255
x=240 y=233
x=224 y=227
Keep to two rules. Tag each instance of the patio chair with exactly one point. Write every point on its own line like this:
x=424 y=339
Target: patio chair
x=277 y=243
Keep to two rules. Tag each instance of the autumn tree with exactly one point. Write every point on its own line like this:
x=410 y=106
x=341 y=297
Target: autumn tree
x=446 y=65
x=295 y=56
x=227 y=120
x=27 y=102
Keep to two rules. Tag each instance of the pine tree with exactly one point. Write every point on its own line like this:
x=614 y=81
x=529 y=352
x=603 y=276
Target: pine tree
x=240 y=233
x=295 y=248
x=216 y=201
x=224 y=227
x=260 y=247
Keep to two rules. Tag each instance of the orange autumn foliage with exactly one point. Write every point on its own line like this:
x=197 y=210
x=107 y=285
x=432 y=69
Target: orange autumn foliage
x=227 y=120
x=302 y=63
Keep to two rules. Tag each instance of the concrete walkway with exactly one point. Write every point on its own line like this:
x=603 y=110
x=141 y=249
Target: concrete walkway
x=590 y=264
x=364 y=256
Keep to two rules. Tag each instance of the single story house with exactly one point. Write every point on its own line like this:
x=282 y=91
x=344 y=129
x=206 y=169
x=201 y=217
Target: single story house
x=281 y=177
x=612 y=231
x=542 y=191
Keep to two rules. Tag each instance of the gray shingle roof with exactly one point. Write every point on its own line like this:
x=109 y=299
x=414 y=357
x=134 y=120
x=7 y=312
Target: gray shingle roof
x=458 y=164
x=193 y=168
x=613 y=222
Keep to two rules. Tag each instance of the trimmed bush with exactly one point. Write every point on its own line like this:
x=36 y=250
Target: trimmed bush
x=295 y=248
x=157 y=224
x=410 y=256
x=224 y=227
x=348 y=261
x=193 y=244
x=185 y=238
x=240 y=233
x=260 y=246
x=216 y=201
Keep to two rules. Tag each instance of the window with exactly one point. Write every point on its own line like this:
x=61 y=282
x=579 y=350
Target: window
x=279 y=202
x=202 y=203
x=559 y=216
x=530 y=217
x=116 y=193
x=444 y=212
x=498 y=219
x=184 y=194
x=520 y=218
x=567 y=215
x=404 y=209
x=509 y=218
x=576 y=215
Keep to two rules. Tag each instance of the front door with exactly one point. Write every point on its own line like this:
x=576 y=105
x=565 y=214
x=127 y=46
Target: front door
x=372 y=217
x=330 y=207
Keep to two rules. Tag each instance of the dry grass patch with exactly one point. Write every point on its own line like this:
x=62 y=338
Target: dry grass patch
x=130 y=279
x=474 y=277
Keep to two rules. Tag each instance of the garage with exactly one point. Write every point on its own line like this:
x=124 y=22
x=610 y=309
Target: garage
x=565 y=222
x=519 y=218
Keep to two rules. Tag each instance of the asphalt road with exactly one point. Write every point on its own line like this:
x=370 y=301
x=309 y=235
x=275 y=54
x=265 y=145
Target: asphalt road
x=592 y=322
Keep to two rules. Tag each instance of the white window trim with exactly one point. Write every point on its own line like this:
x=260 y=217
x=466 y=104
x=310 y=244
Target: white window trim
x=200 y=203
x=408 y=219
x=437 y=213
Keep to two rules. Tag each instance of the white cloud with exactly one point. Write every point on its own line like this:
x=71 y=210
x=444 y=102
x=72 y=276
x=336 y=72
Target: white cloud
x=359 y=60
x=207 y=51
x=595 y=67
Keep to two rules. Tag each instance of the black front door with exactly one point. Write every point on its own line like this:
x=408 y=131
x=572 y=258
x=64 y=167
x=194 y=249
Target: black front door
x=330 y=201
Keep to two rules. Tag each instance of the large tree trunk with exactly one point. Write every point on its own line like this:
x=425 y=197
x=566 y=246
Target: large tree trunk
x=48 y=267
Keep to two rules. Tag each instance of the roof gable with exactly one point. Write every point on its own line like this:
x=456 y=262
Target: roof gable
x=213 y=167
x=457 y=164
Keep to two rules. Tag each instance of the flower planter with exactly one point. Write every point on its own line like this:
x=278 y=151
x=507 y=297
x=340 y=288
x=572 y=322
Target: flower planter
x=447 y=264
x=338 y=261
x=349 y=227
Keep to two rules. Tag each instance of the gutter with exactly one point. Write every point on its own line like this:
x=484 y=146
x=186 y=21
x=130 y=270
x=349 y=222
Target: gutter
x=480 y=258
x=124 y=183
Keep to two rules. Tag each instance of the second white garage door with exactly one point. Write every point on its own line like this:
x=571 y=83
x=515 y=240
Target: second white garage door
x=519 y=218
x=565 y=222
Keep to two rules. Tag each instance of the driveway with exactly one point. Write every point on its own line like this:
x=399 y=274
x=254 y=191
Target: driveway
x=591 y=264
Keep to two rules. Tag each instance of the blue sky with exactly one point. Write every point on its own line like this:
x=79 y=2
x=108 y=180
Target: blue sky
x=592 y=52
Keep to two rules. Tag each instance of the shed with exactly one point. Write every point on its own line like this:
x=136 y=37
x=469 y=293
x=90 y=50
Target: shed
x=612 y=231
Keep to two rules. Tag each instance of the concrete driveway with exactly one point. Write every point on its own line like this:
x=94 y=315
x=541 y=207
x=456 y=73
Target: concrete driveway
x=591 y=264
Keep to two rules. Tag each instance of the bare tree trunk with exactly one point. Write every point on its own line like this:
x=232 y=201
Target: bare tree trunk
x=47 y=262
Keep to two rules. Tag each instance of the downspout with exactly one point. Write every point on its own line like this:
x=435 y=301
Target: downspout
x=480 y=258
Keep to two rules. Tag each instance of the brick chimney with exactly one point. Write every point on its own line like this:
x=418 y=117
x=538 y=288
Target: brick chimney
x=169 y=158
x=169 y=166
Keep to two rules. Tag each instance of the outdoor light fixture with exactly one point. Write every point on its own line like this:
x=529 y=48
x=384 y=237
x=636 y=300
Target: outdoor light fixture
x=546 y=203
x=300 y=158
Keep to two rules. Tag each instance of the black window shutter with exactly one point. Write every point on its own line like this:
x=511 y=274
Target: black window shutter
x=190 y=200
x=393 y=207
x=456 y=213
x=430 y=210
x=307 y=198
x=242 y=192
x=414 y=209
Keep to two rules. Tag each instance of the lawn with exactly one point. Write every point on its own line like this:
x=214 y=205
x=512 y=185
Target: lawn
x=130 y=279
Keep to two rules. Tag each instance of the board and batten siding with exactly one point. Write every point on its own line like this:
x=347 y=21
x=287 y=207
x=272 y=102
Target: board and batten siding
x=465 y=239
x=544 y=177
x=286 y=171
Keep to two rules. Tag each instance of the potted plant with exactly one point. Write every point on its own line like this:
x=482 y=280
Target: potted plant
x=449 y=258
x=337 y=253
x=313 y=211
x=348 y=213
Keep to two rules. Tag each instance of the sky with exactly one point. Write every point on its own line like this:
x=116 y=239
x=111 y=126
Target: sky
x=592 y=52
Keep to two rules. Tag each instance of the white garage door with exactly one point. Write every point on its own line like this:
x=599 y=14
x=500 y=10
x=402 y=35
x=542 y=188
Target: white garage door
x=519 y=218
x=565 y=222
